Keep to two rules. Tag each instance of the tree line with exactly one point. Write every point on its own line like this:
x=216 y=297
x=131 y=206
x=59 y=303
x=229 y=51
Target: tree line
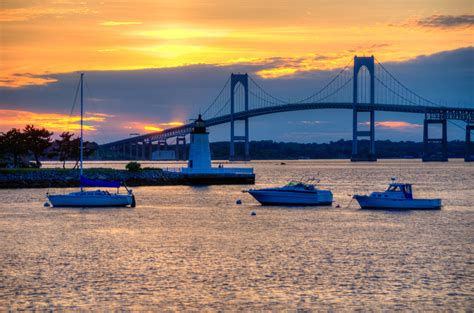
x=341 y=149
x=18 y=146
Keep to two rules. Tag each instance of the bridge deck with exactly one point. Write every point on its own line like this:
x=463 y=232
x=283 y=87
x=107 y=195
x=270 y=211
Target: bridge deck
x=452 y=113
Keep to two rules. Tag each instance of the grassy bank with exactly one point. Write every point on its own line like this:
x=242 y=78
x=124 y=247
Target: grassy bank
x=43 y=178
x=56 y=177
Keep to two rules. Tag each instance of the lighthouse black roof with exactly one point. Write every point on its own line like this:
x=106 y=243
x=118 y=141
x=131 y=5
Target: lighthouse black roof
x=199 y=126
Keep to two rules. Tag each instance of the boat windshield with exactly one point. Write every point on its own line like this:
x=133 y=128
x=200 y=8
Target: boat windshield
x=394 y=188
x=298 y=184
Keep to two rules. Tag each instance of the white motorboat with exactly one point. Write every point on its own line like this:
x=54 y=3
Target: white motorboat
x=98 y=198
x=294 y=193
x=398 y=196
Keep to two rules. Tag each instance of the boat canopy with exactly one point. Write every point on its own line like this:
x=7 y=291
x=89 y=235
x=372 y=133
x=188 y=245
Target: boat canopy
x=405 y=188
x=97 y=183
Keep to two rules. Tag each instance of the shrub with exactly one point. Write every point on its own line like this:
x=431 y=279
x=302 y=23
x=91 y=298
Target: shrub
x=133 y=166
x=152 y=169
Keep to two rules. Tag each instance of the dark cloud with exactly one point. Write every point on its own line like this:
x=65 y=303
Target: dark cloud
x=163 y=95
x=447 y=21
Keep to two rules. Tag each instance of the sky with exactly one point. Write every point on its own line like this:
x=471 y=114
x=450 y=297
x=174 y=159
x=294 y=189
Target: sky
x=151 y=65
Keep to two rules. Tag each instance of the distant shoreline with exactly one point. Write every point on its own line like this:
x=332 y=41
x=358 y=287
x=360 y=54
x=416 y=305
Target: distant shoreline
x=333 y=150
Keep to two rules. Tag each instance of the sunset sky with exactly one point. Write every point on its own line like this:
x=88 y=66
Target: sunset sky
x=154 y=64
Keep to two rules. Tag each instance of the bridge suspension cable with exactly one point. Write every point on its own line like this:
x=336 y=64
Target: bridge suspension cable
x=278 y=100
x=214 y=106
x=404 y=93
x=227 y=103
x=410 y=95
x=262 y=98
x=326 y=86
x=334 y=92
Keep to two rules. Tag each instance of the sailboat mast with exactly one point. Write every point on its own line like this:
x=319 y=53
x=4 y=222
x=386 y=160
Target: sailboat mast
x=82 y=118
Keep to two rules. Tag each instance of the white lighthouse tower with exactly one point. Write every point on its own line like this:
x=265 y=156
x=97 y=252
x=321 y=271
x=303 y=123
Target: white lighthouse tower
x=199 y=164
x=199 y=150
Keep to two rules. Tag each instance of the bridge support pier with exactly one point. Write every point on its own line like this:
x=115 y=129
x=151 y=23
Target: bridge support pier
x=180 y=152
x=130 y=151
x=469 y=157
x=435 y=149
x=150 y=150
x=244 y=139
x=356 y=155
x=143 y=150
x=234 y=80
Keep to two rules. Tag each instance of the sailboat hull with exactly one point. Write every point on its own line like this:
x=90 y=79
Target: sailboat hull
x=79 y=199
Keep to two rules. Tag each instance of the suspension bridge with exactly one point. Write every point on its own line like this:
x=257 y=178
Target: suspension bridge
x=365 y=88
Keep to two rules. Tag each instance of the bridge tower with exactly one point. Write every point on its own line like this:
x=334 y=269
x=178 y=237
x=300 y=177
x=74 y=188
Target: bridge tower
x=234 y=80
x=469 y=157
x=435 y=149
x=359 y=62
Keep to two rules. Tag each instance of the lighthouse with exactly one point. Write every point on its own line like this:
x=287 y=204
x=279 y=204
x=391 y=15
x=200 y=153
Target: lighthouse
x=199 y=150
x=200 y=170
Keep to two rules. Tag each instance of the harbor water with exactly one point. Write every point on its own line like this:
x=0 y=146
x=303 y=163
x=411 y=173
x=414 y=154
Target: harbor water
x=194 y=248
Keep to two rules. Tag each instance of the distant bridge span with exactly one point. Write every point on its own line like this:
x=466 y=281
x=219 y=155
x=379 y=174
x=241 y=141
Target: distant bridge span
x=450 y=113
x=246 y=99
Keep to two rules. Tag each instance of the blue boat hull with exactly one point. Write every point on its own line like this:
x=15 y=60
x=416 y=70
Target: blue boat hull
x=73 y=200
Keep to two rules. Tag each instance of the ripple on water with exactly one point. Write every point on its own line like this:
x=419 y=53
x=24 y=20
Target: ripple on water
x=185 y=248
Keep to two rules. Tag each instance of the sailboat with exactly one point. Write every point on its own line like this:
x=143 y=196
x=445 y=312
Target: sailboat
x=97 y=198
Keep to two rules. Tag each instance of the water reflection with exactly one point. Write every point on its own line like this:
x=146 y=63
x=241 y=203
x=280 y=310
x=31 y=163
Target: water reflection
x=193 y=248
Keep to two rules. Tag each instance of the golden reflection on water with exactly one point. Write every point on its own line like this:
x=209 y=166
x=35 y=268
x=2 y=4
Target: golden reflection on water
x=193 y=248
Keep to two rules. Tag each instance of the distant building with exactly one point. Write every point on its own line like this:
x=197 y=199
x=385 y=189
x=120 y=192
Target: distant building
x=163 y=155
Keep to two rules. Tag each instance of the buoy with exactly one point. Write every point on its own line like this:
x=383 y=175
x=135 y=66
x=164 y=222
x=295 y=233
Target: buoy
x=46 y=204
x=253 y=213
x=238 y=202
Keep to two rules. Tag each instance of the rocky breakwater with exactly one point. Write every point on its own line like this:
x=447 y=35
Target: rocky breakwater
x=44 y=178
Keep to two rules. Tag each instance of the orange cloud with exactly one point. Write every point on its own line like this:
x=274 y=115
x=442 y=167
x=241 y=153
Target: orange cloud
x=147 y=127
x=152 y=128
x=173 y=124
x=395 y=125
x=116 y=23
x=51 y=121
x=277 y=72
x=100 y=114
x=18 y=80
x=25 y=14
x=281 y=67
x=55 y=37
